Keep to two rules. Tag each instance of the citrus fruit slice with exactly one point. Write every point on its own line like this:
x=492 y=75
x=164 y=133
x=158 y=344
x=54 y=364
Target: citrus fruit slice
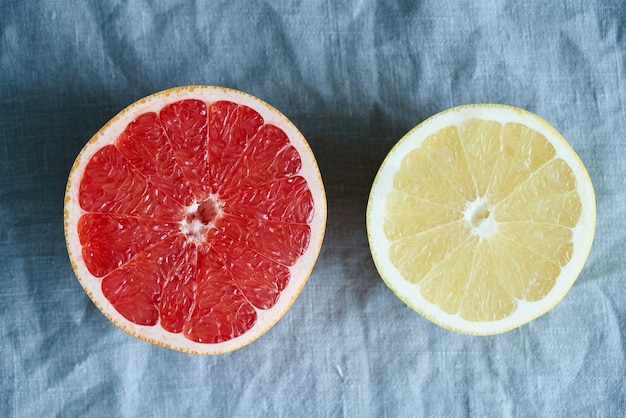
x=481 y=218
x=194 y=218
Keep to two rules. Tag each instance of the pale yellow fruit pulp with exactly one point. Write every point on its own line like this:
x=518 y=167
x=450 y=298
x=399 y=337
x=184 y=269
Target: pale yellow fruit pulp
x=481 y=218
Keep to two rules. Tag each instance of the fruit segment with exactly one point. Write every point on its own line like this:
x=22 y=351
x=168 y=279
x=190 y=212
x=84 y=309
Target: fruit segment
x=482 y=142
x=110 y=240
x=550 y=241
x=527 y=274
x=446 y=283
x=421 y=176
x=260 y=279
x=402 y=220
x=486 y=295
x=231 y=127
x=177 y=278
x=416 y=255
x=523 y=151
x=144 y=144
x=284 y=200
x=112 y=185
x=140 y=290
x=548 y=196
x=446 y=154
x=281 y=242
x=186 y=125
x=268 y=157
x=221 y=311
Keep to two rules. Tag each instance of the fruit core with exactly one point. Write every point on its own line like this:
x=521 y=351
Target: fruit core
x=199 y=218
x=479 y=214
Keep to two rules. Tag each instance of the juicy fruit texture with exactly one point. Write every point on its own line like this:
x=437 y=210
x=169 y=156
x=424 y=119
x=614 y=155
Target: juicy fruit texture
x=163 y=256
x=193 y=218
x=480 y=218
x=497 y=263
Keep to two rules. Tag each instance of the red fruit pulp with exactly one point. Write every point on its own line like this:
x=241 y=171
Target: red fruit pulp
x=193 y=218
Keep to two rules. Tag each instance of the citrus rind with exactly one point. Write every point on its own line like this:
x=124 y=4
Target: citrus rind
x=526 y=311
x=300 y=271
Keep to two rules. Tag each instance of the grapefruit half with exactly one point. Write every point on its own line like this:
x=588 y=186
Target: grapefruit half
x=194 y=218
x=481 y=218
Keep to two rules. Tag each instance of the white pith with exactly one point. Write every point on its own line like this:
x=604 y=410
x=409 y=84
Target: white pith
x=409 y=293
x=300 y=271
x=193 y=228
x=477 y=214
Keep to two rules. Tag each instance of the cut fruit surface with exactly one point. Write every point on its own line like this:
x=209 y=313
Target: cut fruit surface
x=194 y=218
x=481 y=218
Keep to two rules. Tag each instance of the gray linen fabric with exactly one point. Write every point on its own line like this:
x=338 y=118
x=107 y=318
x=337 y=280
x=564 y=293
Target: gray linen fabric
x=354 y=76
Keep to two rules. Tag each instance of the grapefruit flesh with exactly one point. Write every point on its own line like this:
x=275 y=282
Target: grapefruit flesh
x=195 y=217
x=481 y=218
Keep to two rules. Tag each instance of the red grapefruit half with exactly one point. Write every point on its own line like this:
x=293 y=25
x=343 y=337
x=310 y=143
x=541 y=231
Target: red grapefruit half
x=194 y=218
